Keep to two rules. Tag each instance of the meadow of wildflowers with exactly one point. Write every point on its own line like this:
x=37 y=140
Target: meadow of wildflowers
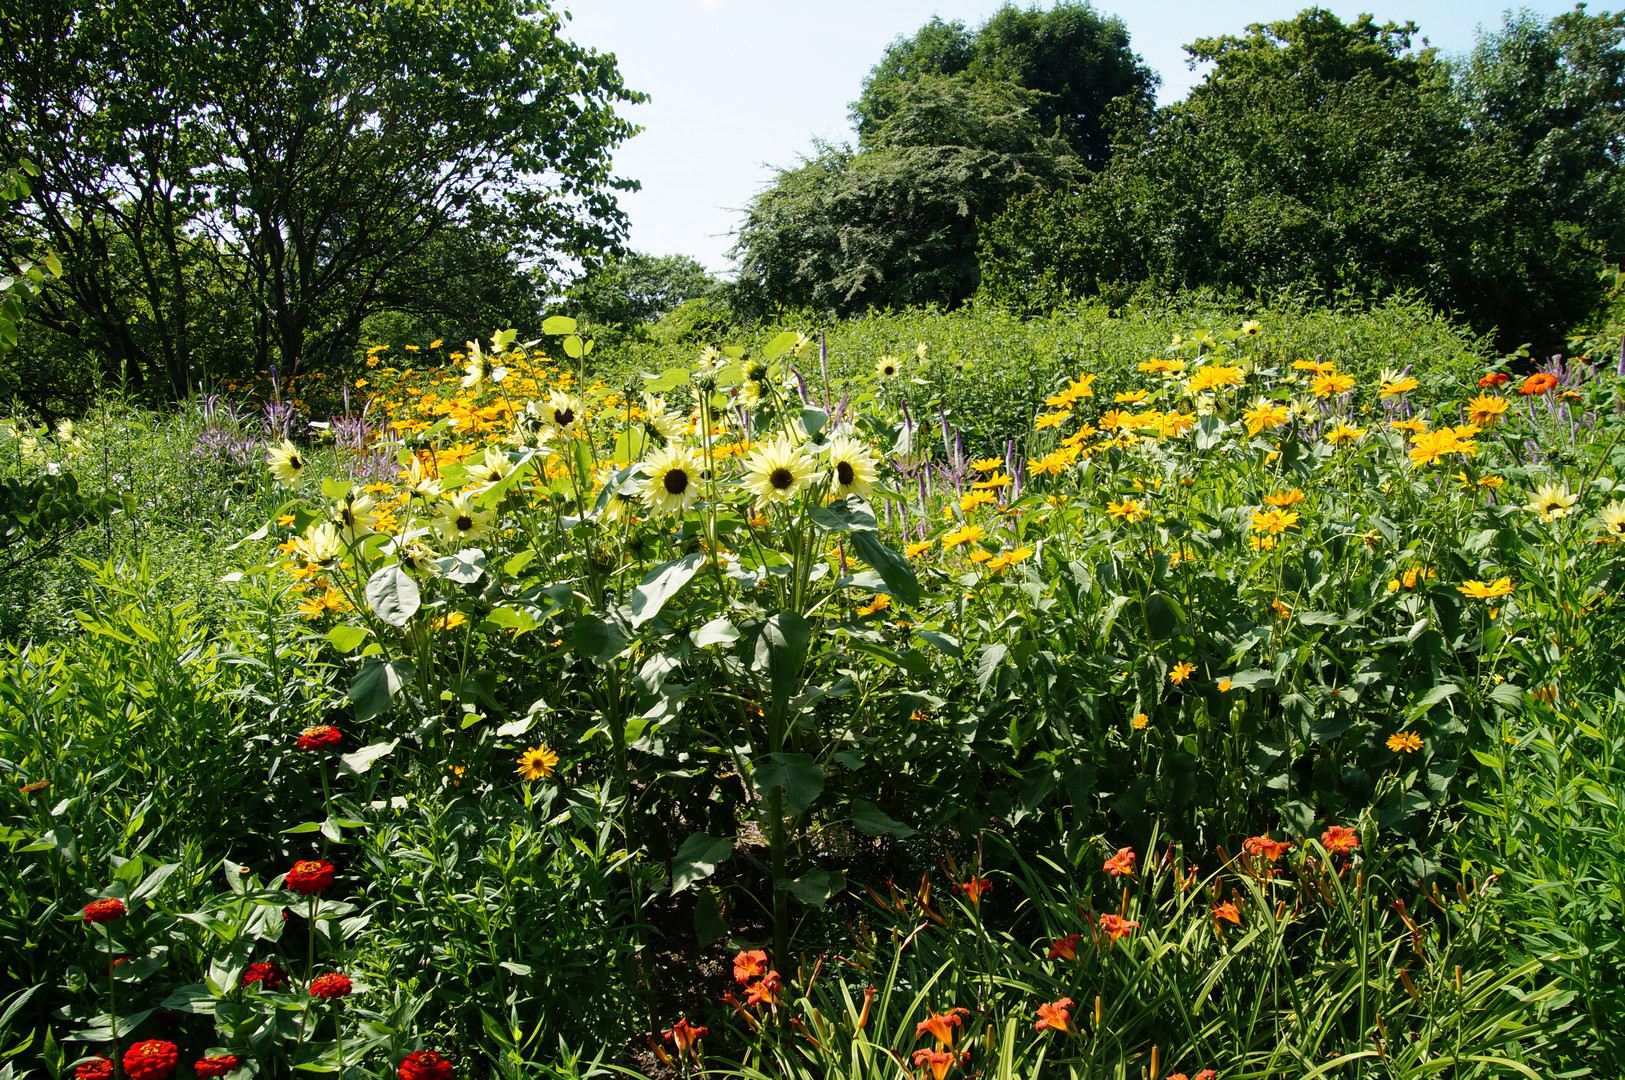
x=1212 y=707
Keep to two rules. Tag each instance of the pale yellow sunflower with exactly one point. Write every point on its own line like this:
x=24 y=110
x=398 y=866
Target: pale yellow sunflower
x=777 y=470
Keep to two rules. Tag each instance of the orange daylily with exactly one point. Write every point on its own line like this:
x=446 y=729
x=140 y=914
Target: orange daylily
x=1121 y=863
x=938 y=1061
x=941 y=1025
x=1116 y=927
x=1056 y=1016
x=1065 y=948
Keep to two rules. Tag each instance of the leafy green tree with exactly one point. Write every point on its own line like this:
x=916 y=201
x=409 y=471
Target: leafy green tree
x=1075 y=59
x=316 y=160
x=1553 y=94
x=627 y=295
x=1319 y=156
x=894 y=224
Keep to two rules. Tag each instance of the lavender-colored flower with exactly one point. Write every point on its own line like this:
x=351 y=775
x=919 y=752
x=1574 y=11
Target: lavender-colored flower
x=279 y=416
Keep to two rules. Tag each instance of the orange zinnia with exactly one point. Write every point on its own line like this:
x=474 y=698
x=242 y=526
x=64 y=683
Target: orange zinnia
x=1055 y=1016
x=1121 y=863
x=1538 y=383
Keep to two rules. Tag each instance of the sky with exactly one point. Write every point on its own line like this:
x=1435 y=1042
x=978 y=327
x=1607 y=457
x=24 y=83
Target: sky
x=741 y=87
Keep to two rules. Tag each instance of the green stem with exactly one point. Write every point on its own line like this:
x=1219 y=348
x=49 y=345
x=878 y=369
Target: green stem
x=338 y=1036
x=776 y=843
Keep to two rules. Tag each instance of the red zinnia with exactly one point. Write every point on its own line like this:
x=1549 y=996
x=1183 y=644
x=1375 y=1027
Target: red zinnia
x=425 y=1065
x=269 y=976
x=216 y=1066
x=105 y=910
x=1538 y=383
x=1494 y=378
x=151 y=1060
x=314 y=738
x=97 y=1068
x=309 y=877
x=332 y=985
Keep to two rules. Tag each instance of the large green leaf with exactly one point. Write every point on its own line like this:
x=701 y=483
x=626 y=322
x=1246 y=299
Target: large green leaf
x=661 y=584
x=596 y=639
x=813 y=888
x=892 y=567
x=777 y=647
x=393 y=595
x=698 y=859
x=376 y=683
x=870 y=819
x=798 y=774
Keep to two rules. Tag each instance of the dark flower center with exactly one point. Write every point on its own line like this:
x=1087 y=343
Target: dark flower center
x=564 y=417
x=781 y=478
x=844 y=473
x=294 y=463
x=676 y=481
x=464 y=523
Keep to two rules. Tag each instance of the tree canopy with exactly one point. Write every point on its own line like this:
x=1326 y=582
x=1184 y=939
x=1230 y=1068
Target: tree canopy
x=1335 y=157
x=951 y=125
x=298 y=166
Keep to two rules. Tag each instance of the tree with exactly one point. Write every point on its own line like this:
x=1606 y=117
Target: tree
x=894 y=224
x=1553 y=94
x=1317 y=155
x=315 y=158
x=1076 y=60
x=637 y=289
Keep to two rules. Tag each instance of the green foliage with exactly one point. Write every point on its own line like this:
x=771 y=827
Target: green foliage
x=280 y=173
x=951 y=125
x=1074 y=59
x=1322 y=156
x=988 y=370
x=1335 y=964
x=894 y=224
x=731 y=710
x=1553 y=828
x=623 y=298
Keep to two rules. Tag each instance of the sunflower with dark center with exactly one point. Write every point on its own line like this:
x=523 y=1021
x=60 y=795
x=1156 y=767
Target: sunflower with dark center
x=460 y=521
x=777 y=470
x=671 y=479
x=563 y=411
x=285 y=462
x=852 y=467
x=887 y=367
x=354 y=516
